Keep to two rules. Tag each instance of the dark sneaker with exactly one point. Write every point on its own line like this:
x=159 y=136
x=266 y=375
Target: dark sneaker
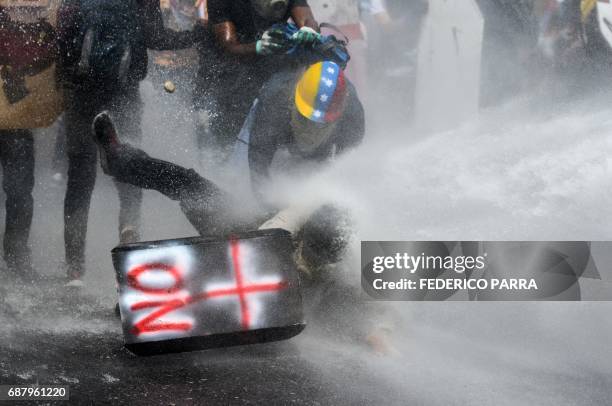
x=105 y=136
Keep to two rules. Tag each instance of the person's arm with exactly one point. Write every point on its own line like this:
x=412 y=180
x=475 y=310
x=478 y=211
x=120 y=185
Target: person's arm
x=291 y=219
x=272 y=42
x=157 y=36
x=224 y=30
x=227 y=38
x=309 y=30
x=378 y=10
x=303 y=17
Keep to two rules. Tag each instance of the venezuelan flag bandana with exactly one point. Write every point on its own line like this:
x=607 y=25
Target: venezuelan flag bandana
x=319 y=95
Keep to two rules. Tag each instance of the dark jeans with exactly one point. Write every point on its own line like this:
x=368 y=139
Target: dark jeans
x=207 y=207
x=17 y=157
x=82 y=107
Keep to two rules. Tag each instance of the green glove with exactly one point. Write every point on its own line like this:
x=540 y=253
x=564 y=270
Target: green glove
x=272 y=42
x=306 y=36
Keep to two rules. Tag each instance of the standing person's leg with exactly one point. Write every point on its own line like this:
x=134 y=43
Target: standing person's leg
x=205 y=109
x=234 y=97
x=82 y=159
x=17 y=157
x=127 y=109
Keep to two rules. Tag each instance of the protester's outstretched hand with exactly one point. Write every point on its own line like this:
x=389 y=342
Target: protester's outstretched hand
x=306 y=36
x=273 y=41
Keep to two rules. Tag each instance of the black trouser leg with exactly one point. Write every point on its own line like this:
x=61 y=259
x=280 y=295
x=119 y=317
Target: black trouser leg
x=226 y=124
x=233 y=107
x=82 y=160
x=201 y=200
x=17 y=157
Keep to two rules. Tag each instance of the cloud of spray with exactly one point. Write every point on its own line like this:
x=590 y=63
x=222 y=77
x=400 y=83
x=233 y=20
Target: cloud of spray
x=514 y=174
x=527 y=169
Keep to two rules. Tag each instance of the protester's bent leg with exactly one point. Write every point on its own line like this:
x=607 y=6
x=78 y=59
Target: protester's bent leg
x=17 y=156
x=201 y=200
x=199 y=197
x=82 y=159
x=135 y=167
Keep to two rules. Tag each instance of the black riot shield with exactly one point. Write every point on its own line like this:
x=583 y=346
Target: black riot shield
x=197 y=293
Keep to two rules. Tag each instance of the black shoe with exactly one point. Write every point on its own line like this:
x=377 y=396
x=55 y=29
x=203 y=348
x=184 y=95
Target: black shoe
x=105 y=136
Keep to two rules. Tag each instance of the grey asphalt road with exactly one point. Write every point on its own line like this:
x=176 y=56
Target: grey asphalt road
x=52 y=335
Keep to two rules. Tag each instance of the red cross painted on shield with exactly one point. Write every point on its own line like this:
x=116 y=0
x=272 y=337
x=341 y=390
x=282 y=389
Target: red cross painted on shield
x=241 y=290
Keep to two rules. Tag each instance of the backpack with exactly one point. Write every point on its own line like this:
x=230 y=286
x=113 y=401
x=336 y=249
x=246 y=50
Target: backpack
x=108 y=34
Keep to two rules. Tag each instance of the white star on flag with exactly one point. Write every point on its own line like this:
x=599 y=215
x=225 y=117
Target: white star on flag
x=317 y=114
x=331 y=70
x=324 y=97
x=329 y=82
